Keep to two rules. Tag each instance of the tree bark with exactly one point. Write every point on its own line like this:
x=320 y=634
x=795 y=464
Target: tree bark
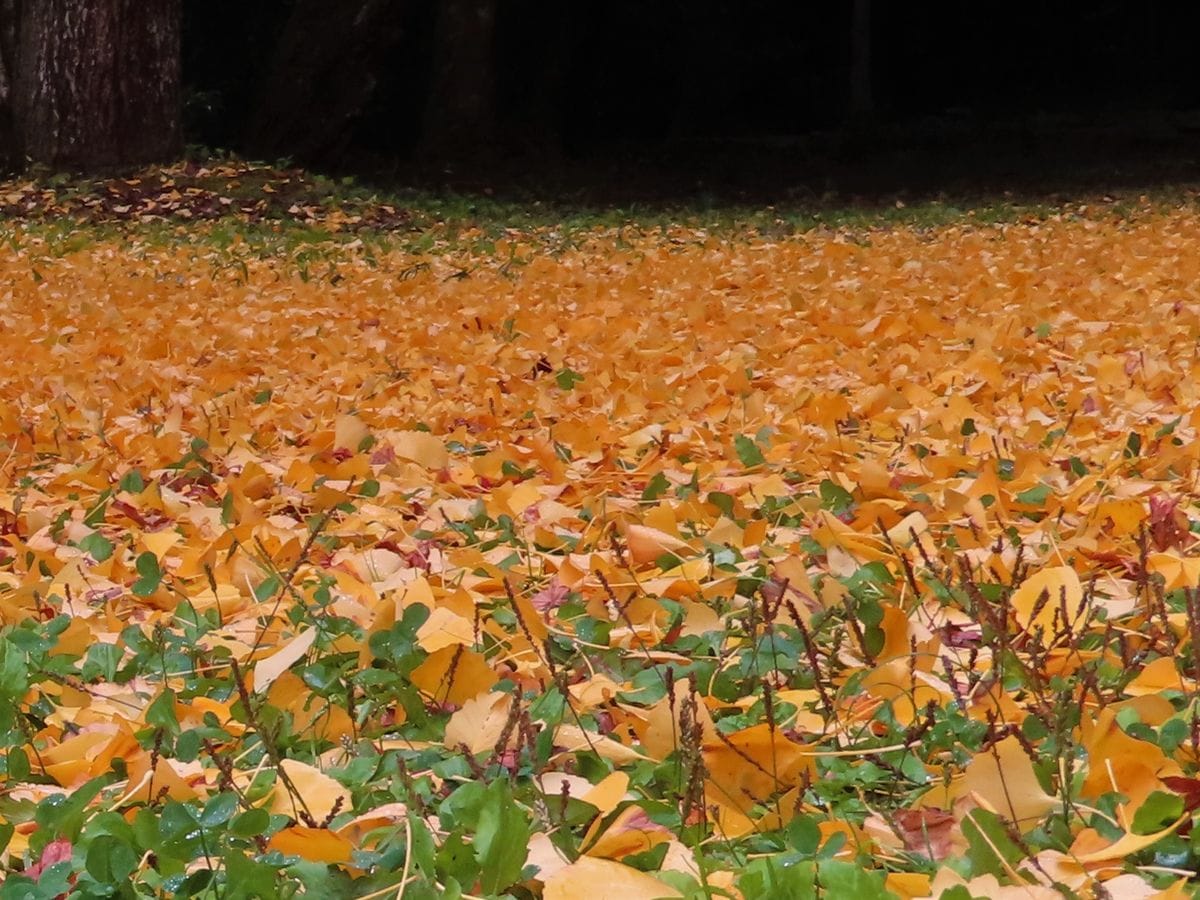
x=322 y=77
x=10 y=20
x=98 y=82
x=460 y=116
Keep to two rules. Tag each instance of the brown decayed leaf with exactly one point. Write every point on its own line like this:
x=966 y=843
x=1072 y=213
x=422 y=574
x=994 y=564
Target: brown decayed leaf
x=934 y=833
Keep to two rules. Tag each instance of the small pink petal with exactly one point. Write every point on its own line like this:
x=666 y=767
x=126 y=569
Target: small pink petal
x=54 y=852
x=552 y=596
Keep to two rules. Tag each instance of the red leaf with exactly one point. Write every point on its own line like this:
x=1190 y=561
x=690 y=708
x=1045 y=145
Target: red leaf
x=54 y=852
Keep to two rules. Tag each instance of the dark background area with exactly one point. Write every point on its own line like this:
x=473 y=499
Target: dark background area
x=737 y=99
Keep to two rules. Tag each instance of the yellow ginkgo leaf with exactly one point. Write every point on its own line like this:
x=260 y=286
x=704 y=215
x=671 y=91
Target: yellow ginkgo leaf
x=1178 y=571
x=1161 y=674
x=1129 y=843
x=1003 y=780
x=313 y=844
x=589 y=877
x=454 y=675
x=267 y=670
x=349 y=432
x=751 y=765
x=1046 y=597
x=420 y=447
x=647 y=545
x=479 y=723
x=445 y=628
x=305 y=789
x=632 y=831
x=572 y=738
x=159 y=542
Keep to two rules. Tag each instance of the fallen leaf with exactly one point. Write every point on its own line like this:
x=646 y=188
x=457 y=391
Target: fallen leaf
x=479 y=723
x=313 y=844
x=1003 y=780
x=268 y=669
x=1049 y=595
x=421 y=447
x=589 y=877
x=305 y=789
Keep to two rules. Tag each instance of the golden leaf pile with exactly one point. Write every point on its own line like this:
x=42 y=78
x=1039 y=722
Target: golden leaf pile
x=850 y=548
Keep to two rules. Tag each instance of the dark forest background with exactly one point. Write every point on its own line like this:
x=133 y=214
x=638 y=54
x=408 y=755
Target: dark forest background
x=726 y=94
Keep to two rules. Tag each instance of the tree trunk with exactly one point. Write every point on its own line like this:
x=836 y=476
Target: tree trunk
x=322 y=77
x=460 y=116
x=10 y=20
x=98 y=82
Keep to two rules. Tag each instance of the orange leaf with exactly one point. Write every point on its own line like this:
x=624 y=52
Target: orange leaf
x=1002 y=779
x=314 y=844
x=267 y=670
x=479 y=723
x=1063 y=590
x=315 y=793
x=589 y=877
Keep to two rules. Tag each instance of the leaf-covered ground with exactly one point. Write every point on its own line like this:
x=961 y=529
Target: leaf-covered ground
x=650 y=564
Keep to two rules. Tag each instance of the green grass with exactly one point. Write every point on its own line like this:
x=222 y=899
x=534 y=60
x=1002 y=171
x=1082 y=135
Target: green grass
x=448 y=221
